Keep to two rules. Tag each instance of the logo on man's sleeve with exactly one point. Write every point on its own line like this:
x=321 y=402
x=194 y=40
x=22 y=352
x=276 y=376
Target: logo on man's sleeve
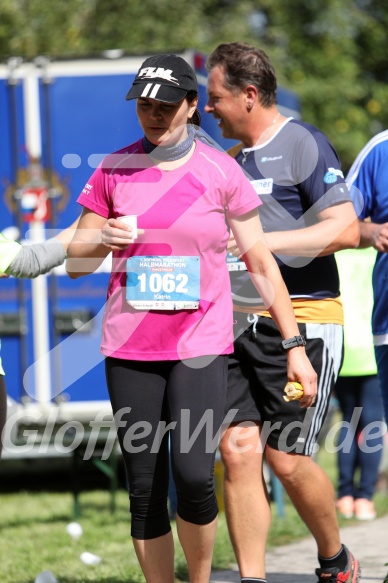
x=331 y=175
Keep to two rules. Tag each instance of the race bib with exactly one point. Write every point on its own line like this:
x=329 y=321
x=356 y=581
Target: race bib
x=163 y=283
x=234 y=263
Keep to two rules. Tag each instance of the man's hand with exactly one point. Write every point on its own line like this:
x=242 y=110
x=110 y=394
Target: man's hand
x=299 y=369
x=374 y=235
x=380 y=237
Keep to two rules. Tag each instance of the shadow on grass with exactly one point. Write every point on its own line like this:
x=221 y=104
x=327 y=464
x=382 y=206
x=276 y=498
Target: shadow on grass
x=65 y=518
x=90 y=509
x=21 y=521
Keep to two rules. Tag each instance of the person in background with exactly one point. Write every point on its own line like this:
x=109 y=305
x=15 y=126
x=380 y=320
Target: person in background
x=368 y=183
x=3 y=402
x=28 y=261
x=357 y=390
x=307 y=215
x=166 y=353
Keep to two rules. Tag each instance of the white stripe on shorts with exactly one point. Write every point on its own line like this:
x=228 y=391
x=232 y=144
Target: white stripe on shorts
x=332 y=336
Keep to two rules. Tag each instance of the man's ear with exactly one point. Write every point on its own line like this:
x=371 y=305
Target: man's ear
x=251 y=95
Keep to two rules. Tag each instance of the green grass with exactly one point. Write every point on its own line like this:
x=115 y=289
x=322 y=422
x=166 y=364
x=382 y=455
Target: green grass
x=34 y=537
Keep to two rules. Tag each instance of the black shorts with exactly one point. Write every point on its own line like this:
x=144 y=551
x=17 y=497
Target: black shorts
x=258 y=373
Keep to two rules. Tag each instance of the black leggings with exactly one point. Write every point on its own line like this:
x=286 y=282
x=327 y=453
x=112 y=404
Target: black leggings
x=191 y=396
x=3 y=409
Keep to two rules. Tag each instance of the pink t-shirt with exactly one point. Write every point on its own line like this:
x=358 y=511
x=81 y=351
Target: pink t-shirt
x=184 y=212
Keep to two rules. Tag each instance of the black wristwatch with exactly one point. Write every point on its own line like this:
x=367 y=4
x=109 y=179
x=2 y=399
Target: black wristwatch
x=294 y=341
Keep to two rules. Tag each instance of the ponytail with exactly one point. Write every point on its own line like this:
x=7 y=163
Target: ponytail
x=196 y=118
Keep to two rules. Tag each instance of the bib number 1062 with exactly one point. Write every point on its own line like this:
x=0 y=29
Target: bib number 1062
x=167 y=283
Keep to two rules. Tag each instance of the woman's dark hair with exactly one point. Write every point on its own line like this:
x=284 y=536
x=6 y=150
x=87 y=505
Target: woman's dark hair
x=196 y=119
x=242 y=65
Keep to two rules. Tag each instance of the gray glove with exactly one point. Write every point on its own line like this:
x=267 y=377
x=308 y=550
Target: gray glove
x=38 y=258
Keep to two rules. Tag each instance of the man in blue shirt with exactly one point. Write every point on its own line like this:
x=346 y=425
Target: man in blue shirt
x=368 y=183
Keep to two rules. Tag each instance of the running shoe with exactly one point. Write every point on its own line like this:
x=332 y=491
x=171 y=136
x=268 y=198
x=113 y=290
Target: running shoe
x=351 y=574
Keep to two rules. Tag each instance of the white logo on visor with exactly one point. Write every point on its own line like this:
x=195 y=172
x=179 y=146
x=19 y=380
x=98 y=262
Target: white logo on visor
x=153 y=73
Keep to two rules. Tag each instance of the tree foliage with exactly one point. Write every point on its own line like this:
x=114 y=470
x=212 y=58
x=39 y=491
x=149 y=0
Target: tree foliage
x=332 y=53
x=325 y=56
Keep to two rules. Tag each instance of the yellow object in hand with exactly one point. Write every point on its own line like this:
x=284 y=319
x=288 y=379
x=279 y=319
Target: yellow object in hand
x=294 y=391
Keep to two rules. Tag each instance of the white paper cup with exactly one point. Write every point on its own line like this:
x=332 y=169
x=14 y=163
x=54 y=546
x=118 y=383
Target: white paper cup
x=130 y=220
x=89 y=558
x=46 y=577
x=74 y=530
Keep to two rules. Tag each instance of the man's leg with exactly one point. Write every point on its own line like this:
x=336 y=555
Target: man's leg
x=289 y=450
x=247 y=505
x=312 y=494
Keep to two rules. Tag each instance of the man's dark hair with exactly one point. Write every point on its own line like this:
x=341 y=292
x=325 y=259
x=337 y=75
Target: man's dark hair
x=244 y=65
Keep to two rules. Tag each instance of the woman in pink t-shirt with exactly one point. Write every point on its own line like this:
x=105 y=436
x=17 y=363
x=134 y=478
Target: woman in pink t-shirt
x=168 y=324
